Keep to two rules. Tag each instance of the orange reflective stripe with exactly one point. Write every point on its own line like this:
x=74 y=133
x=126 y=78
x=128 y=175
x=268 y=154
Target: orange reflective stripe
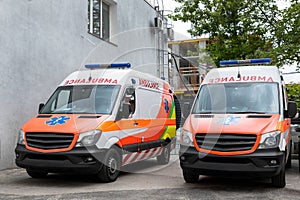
x=282 y=126
x=133 y=124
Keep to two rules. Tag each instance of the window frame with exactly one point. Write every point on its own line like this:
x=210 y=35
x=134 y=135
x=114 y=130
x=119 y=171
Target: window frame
x=101 y=33
x=53 y=100
x=205 y=86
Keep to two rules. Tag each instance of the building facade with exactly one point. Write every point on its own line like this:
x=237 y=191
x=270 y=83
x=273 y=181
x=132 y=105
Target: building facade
x=43 y=41
x=190 y=63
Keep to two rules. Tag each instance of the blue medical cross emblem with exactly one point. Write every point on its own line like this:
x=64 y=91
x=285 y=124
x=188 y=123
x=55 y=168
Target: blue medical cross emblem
x=228 y=120
x=166 y=105
x=57 y=120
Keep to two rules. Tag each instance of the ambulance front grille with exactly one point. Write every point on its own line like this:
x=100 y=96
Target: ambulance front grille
x=48 y=141
x=226 y=142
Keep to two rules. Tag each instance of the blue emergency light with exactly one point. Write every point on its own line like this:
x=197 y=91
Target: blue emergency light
x=249 y=61
x=112 y=65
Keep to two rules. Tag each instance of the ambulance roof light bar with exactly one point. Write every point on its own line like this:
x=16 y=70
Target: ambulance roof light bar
x=243 y=62
x=104 y=66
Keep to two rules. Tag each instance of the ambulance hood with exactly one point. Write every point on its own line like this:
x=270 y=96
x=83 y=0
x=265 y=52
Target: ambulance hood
x=64 y=123
x=232 y=123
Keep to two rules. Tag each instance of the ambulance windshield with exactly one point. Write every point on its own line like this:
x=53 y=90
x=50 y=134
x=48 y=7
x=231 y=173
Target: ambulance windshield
x=82 y=99
x=260 y=98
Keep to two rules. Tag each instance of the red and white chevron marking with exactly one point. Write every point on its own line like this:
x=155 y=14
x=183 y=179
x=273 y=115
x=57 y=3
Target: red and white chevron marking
x=142 y=155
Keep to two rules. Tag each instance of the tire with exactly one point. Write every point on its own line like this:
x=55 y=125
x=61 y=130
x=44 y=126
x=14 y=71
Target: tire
x=36 y=173
x=178 y=112
x=111 y=166
x=164 y=157
x=190 y=176
x=279 y=180
x=289 y=160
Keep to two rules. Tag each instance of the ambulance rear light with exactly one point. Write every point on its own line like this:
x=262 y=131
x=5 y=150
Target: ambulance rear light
x=248 y=61
x=112 y=65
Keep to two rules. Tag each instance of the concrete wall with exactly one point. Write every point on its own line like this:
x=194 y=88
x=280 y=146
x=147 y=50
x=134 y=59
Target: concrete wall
x=135 y=41
x=43 y=41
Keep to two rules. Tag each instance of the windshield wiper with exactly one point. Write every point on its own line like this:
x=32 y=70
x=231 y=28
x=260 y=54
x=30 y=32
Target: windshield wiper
x=247 y=112
x=206 y=112
x=62 y=112
x=211 y=112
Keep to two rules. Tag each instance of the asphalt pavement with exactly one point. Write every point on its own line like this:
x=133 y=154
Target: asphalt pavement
x=145 y=180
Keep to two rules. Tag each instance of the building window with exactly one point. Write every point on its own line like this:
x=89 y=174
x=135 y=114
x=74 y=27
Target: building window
x=99 y=23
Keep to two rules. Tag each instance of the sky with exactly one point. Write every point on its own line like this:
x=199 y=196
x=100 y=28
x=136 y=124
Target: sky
x=180 y=30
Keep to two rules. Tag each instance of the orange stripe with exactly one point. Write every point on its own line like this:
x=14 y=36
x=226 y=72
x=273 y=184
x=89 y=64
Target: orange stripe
x=129 y=124
x=283 y=125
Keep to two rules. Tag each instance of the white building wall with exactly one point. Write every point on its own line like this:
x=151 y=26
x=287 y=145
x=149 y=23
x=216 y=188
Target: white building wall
x=43 y=41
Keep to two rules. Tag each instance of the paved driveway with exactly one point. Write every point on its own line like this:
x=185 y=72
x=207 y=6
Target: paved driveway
x=144 y=181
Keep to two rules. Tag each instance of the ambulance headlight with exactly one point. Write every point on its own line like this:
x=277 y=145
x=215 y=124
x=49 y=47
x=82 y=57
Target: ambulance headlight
x=21 y=137
x=269 y=140
x=89 y=138
x=186 y=137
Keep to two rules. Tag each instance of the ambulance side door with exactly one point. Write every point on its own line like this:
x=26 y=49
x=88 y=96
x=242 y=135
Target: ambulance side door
x=148 y=108
x=126 y=120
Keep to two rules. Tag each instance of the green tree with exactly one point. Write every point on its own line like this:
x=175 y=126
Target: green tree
x=238 y=29
x=294 y=93
x=286 y=35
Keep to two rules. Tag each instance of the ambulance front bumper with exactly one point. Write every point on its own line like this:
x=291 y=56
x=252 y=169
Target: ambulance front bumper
x=79 y=160
x=261 y=163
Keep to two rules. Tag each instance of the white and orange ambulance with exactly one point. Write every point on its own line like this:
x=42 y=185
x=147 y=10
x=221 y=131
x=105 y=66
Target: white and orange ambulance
x=239 y=124
x=98 y=120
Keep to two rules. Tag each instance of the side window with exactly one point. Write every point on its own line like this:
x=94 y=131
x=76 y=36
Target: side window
x=62 y=100
x=128 y=104
x=148 y=103
x=99 y=19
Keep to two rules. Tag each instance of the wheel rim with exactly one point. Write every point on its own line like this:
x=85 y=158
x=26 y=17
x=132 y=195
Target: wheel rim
x=112 y=165
x=166 y=154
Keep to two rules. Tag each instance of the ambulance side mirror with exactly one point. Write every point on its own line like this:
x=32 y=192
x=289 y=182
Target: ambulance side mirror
x=40 y=107
x=123 y=112
x=292 y=110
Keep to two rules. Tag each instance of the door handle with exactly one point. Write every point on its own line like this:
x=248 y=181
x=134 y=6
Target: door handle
x=135 y=123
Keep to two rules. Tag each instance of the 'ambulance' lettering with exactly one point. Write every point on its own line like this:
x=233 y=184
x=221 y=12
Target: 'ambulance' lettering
x=242 y=78
x=93 y=80
x=149 y=84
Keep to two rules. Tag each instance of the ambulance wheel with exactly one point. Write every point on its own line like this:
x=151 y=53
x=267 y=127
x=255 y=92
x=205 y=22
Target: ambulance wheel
x=190 y=176
x=111 y=166
x=279 y=180
x=36 y=173
x=289 y=160
x=164 y=157
x=178 y=112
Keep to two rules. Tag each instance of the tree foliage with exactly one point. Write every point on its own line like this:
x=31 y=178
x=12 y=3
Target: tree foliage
x=243 y=29
x=294 y=93
x=286 y=37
